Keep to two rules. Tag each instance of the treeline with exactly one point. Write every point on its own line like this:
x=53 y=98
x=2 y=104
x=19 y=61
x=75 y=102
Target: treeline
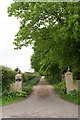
x=53 y=29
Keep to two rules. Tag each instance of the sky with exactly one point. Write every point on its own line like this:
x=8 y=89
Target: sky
x=9 y=26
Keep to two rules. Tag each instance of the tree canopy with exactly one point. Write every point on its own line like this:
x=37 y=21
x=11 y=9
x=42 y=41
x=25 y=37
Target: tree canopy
x=53 y=30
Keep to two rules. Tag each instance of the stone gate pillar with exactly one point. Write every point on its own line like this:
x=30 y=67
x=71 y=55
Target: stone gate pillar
x=69 y=80
x=17 y=86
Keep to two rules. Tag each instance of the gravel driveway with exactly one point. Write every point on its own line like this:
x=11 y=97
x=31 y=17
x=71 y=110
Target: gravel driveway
x=41 y=104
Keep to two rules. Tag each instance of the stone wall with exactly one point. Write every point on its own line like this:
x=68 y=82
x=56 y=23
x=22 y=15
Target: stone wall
x=70 y=83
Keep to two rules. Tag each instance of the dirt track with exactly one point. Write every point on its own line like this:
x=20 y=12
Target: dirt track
x=41 y=104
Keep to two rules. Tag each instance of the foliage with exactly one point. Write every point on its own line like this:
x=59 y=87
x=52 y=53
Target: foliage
x=28 y=89
x=8 y=76
x=27 y=86
x=27 y=77
x=74 y=93
x=14 y=94
x=8 y=100
x=71 y=99
x=72 y=96
x=61 y=87
x=34 y=81
x=11 y=96
x=21 y=94
x=53 y=29
x=52 y=80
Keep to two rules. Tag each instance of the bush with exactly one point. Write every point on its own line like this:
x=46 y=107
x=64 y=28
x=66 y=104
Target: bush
x=8 y=77
x=27 y=77
x=28 y=89
x=21 y=94
x=34 y=81
x=52 y=80
x=61 y=87
x=74 y=93
x=14 y=94
x=8 y=93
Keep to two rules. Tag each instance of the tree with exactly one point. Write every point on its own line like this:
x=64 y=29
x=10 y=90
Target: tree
x=53 y=29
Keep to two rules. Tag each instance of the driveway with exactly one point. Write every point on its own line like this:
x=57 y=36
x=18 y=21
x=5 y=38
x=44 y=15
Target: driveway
x=44 y=102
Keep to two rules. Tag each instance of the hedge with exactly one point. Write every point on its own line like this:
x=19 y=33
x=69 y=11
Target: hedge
x=8 y=77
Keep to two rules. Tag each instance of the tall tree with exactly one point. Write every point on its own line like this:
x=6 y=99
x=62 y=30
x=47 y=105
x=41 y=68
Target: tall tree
x=53 y=28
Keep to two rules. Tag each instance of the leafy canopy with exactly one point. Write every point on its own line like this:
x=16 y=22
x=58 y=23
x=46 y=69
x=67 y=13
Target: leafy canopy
x=53 y=29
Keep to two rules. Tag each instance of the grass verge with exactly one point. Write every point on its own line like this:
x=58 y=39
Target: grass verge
x=16 y=97
x=71 y=99
x=66 y=97
x=9 y=100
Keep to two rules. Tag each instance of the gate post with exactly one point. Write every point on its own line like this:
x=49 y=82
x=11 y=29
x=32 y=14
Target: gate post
x=69 y=80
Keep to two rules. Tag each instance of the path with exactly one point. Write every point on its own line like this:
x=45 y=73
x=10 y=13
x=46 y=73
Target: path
x=45 y=105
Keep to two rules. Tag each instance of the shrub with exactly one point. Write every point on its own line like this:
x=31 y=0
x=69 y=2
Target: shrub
x=5 y=93
x=21 y=94
x=28 y=89
x=74 y=93
x=52 y=80
x=61 y=87
x=14 y=94
x=9 y=93
x=8 y=76
x=34 y=81
x=27 y=77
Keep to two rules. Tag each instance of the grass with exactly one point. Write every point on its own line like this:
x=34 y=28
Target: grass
x=71 y=99
x=9 y=100
x=67 y=97
x=27 y=87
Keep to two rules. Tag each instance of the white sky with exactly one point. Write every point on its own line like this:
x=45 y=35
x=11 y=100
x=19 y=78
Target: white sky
x=9 y=26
